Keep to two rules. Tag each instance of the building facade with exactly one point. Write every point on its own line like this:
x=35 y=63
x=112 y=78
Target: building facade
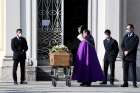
x=49 y=22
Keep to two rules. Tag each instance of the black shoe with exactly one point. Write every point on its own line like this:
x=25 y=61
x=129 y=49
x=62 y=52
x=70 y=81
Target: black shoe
x=23 y=82
x=85 y=84
x=135 y=86
x=111 y=83
x=103 y=83
x=82 y=84
x=124 y=85
x=88 y=85
x=15 y=83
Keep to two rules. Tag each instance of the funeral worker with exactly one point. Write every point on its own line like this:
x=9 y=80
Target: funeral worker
x=129 y=47
x=19 y=48
x=111 y=52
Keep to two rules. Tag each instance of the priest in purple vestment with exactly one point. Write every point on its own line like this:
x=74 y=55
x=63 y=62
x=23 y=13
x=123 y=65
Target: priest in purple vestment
x=87 y=68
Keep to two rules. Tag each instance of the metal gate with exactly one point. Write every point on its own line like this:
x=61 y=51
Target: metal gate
x=50 y=26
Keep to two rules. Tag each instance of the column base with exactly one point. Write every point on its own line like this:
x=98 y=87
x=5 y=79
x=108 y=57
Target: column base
x=7 y=68
x=30 y=73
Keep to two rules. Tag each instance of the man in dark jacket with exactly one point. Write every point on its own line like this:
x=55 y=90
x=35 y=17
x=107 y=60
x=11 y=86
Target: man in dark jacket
x=19 y=48
x=129 y=47
x=111 y=52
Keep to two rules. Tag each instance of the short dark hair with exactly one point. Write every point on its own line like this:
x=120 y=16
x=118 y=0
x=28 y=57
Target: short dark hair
x=87 y=31
x=107 y=31
x=19 y=30
x=131 y=26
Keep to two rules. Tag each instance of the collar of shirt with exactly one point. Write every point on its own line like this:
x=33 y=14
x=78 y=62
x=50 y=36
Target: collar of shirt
x=80 y=37
x=108 y=39
x=130 y=34
x=17 y=37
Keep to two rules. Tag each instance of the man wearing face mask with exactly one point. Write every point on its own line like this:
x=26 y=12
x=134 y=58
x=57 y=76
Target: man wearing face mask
x=129 y=47
x=19 y=48
x=111 y=52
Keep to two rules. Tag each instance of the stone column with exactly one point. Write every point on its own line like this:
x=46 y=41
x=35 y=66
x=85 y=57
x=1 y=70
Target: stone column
x=1 y=27
x=96 y=23
x=31 y=36
x=34 y=32
x=113 y=18
x=105 y=14
x=100 y=29
x=132 y=17
x=11 y=21
x=108 y=18
x=1 y=33
x=113 y=22
x=29 y=26
x=92 y=18
x=23 y=16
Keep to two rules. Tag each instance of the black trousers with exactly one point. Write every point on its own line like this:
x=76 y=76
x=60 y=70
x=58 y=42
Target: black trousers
x=132 y=65
x=108 y=63
x=22 y=69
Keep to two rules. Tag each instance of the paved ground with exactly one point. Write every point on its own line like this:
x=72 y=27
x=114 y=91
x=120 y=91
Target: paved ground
x=46 y=87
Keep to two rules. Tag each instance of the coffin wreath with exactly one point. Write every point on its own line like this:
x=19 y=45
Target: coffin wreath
x=59 y=48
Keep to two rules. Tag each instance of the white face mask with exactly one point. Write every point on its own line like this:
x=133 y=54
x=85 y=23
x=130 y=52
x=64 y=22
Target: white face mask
x=106 y=36
x=127 y=30
x=19 y=35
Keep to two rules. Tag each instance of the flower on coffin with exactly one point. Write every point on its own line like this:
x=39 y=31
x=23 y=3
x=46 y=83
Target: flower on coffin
x=59 y=48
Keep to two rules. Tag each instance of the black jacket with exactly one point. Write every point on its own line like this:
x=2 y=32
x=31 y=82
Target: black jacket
x=130 y=44
x=19 y=47
x=111 y=49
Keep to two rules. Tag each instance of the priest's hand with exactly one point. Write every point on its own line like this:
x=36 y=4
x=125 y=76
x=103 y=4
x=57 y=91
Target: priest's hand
x=125 y=53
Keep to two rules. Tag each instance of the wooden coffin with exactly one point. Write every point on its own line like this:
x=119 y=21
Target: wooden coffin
x=59 y=59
